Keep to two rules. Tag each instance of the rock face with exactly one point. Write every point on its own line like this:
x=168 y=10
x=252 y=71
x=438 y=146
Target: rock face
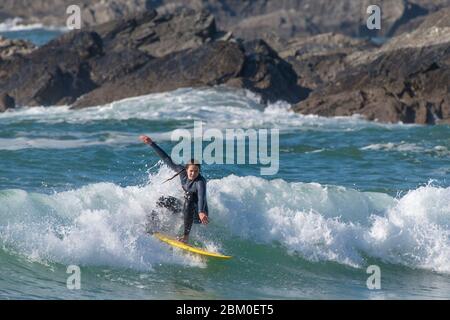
x=265 y=73
x=204 y=66
x=6 y=102
x=11 y=48
x=246 y=19
x=99 y=12
x=158 y=35
x=317 y=60
x=53 y=12
x=54 y=74
x=406 y=80
x=431 y=5
x=144 y=54
x=292 y=18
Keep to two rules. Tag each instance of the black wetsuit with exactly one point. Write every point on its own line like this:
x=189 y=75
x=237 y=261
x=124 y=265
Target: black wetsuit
x=194 y=192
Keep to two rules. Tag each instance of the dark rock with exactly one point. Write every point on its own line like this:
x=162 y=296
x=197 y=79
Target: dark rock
x=407 y=79
x=431 y=5
x=290 y=18
x=144 y=54
x=10 y=48
x=246 y=19
x=207 y=65
x=54 y=74
x=255 y=66
x=99 y=12
x=116 y=65
x=265 y=73
x=6 y=102
x=410 y=14
x=53 y=12
x=80 y=61
x=410 y=85
x=319 y=59
x=159 y=35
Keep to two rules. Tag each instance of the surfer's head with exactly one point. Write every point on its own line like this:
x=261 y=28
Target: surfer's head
x=192 y=169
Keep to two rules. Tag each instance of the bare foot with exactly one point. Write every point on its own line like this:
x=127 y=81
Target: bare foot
x=183 y=239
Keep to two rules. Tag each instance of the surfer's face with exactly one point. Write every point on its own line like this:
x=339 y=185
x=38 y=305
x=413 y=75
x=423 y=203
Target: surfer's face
x=192 y=172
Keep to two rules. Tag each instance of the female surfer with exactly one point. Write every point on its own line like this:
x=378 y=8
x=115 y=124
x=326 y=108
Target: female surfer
x=195 y=208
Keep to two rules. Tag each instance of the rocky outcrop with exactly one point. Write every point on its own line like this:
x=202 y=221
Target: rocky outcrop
x=407 y=80
x=246 y=19
x=53 y=12
x=431 y=5
x=159 y=35
x=54 y=74
x=265 y=73
x=292 y=18
x=317 y=60
x=206 y=65
x=11 y=48
x=99 y=12
x=144 y=54
x=6 y=102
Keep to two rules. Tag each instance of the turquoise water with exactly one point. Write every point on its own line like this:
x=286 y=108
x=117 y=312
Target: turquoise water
x=35 y=33
x=75 y=188
x=37 y=36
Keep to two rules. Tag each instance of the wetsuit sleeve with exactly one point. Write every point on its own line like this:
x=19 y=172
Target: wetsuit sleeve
x=201 y=191
x=165 y=157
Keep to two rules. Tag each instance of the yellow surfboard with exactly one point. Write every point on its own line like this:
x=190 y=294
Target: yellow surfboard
x=178 y=244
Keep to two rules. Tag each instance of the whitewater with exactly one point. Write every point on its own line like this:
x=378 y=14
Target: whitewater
x=76 y=187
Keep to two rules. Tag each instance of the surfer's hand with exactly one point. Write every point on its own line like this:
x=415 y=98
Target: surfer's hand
x=203 y=217
x=146 y=139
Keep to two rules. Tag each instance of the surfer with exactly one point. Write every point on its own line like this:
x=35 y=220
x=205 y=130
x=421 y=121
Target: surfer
x=195 y=207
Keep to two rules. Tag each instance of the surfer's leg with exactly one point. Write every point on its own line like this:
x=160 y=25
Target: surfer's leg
x=188 y=216
x=171 y=203
x=164 y=205
x=188 y=221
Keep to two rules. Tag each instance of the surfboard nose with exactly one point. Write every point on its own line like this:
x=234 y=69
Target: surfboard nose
x=181 y=245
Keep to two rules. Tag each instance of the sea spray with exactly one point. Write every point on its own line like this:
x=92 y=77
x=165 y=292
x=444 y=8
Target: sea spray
x=102 y=224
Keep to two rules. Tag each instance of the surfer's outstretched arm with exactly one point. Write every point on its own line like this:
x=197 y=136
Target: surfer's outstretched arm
x=161 y=153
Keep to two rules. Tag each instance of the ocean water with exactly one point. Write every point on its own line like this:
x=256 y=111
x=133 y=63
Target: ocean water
x=76 y=186
x=35 y=33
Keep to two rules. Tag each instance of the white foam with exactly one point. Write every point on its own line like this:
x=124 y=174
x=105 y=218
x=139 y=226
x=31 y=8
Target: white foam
x=73 y=139
x=339 y=224
x=414 y=232
x=102 y=224
x=41 y=143
x=390 y=146
x=104 y=138
x=15 y=24
x=218 y=107
x=407 y=147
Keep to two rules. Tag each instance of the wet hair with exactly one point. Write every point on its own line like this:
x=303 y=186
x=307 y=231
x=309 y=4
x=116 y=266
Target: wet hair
x=192 y=162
